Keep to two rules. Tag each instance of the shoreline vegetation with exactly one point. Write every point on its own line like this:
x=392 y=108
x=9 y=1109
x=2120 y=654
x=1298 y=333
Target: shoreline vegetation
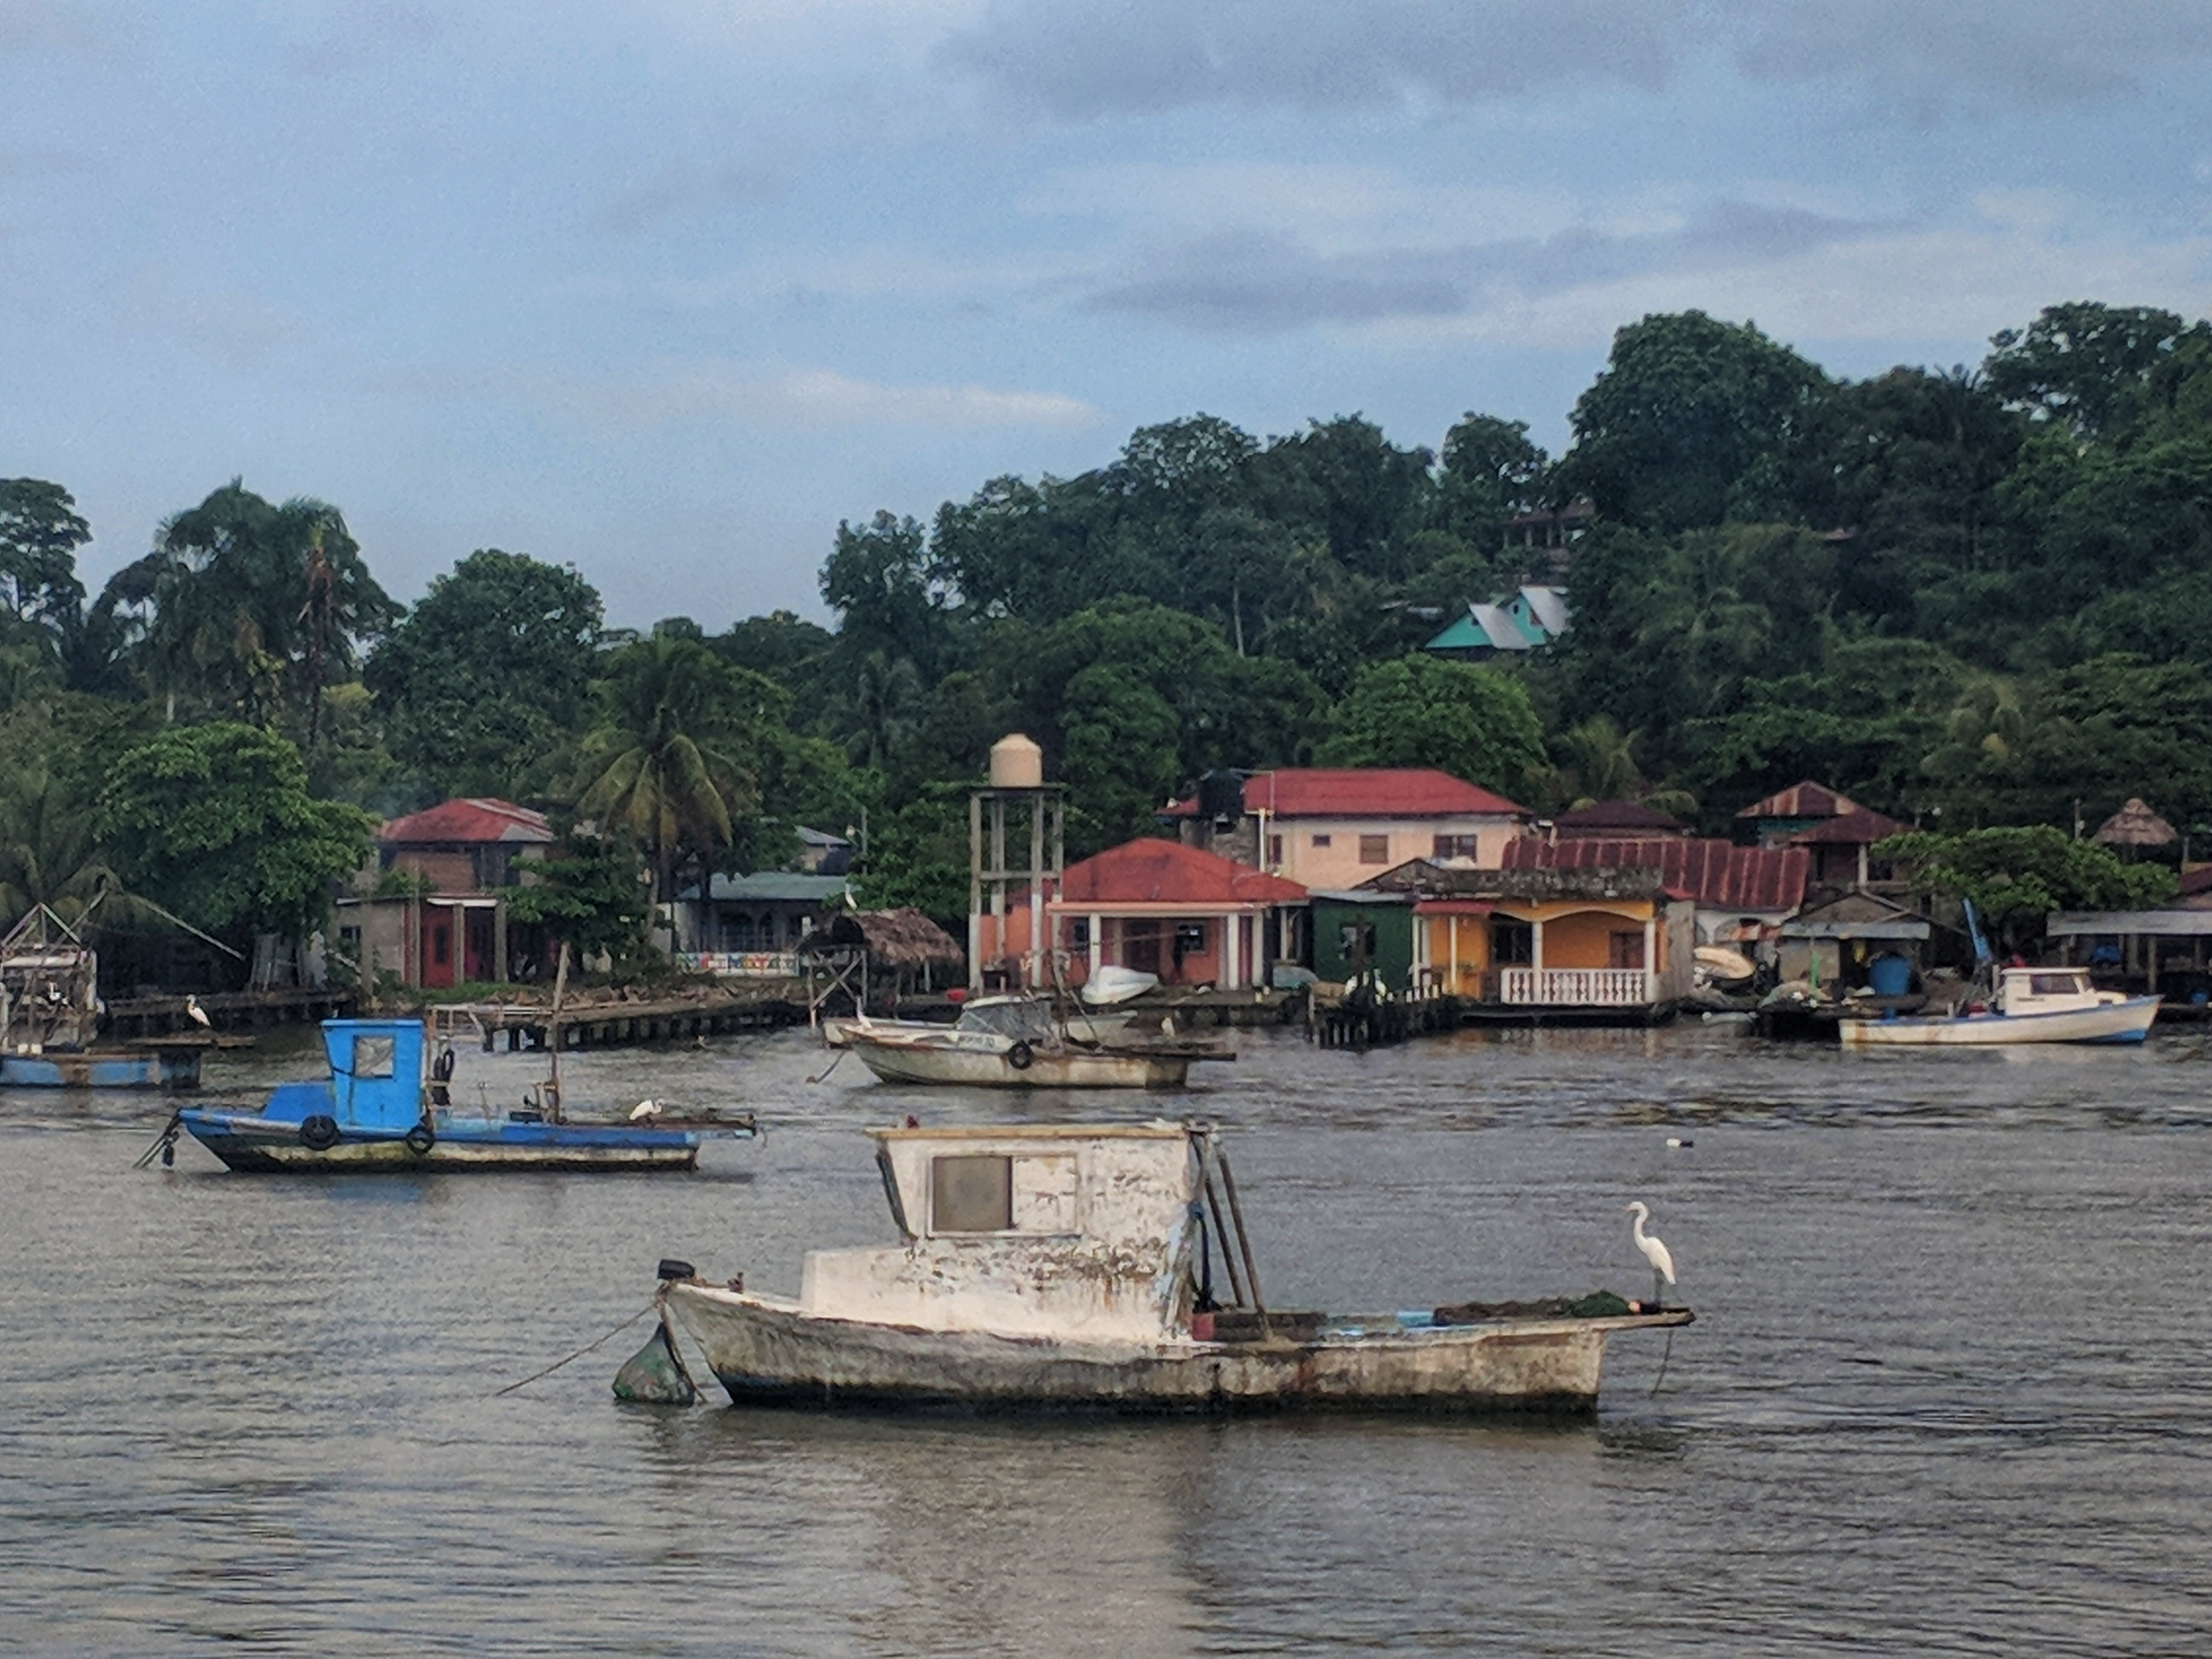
x=1975 y=599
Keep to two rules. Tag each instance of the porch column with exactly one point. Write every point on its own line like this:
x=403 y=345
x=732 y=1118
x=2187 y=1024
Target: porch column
x=1651 y=940
x=1451 y=948
x=1097 y=943
x=1536 y=954
x=1231 y=927
x=499 y=941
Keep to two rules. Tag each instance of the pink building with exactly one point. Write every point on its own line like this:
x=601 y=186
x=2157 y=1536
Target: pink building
x=1334 y=827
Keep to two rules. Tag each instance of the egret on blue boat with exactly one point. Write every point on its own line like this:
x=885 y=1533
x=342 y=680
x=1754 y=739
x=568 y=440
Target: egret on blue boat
x=1654 y=1250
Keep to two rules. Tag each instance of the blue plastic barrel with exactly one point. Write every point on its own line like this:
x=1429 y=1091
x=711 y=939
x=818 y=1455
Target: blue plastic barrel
x=1890 y=975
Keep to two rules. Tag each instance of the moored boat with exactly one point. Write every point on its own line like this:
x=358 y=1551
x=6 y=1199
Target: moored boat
x=51 y=1018
x=1075 y=1266
x=2031 y=1005
x=386 y=1105
x=1025 y=1042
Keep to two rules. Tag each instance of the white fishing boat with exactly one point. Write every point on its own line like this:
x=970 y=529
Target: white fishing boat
x=2031 y=1005
x=1025 y=1042
x=1102 y=1267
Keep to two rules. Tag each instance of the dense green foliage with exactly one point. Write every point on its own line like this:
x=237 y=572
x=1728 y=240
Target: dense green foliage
x=1977 y=598
x=2017 y=874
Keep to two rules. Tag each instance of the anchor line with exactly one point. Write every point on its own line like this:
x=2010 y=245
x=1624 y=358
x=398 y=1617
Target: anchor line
x=832 y=1066
x=1665 y=1354
x=649 y=1307
x=166 y=1138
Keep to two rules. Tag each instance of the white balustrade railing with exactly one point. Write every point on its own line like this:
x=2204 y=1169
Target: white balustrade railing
x=1574 y=987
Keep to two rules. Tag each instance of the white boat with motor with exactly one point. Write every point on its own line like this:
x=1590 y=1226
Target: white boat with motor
x=1075 y=1266
x=1027 y=1041
x=2031 y=1005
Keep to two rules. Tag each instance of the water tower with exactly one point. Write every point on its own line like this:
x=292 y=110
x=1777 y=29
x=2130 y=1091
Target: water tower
x=1018 y=794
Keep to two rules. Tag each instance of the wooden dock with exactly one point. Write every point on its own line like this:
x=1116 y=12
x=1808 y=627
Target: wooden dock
x=135 y=1018
x=1354 y=1021
x=526 y=1026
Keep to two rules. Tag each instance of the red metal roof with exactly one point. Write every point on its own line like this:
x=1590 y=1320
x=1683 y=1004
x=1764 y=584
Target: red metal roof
x=1719 y=874
x=1362 y=792
x=1861 y=827
x=469 y=823
x=1149 y=872
x=1623 y=817
x=1802 y=800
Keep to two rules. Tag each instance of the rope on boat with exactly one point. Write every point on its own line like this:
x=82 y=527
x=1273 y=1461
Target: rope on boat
x=1665 y=1354
x=832 y=1066
x=166 y=1138
x=651 y=1307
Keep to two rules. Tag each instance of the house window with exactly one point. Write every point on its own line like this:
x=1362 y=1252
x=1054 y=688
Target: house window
x=1274 y=852
x=1356 y=939
x=1512 y=944
x=1189 y=940
x=971 y=1195
x=349 y=940
x=1078 y=933
x=1321 y=841
x=1375 y=849
x=1454 y=847
x=1625 y=950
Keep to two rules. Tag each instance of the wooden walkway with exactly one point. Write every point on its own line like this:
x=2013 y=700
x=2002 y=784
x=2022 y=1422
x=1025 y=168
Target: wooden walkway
x=135 y=1017
x=522 y=1026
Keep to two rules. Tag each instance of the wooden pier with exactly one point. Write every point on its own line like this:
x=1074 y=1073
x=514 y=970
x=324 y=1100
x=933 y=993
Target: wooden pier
x=525 y=1026
x=1372 y=1021
x=135 y=1018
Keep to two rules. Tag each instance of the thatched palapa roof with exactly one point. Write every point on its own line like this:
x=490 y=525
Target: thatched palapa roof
x=2136 y=825
x=894 y=939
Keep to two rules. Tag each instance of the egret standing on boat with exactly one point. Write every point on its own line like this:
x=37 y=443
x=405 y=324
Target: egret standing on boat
x=1654 y=1250
x=197 y=1014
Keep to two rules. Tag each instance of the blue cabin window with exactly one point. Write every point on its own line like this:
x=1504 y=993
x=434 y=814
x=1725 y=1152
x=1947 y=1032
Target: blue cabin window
x=372 y=1057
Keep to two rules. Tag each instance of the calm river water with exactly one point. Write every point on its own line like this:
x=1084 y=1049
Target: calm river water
x=1948 y=1391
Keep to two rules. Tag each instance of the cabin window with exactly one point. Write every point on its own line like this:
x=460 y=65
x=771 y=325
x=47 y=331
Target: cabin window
x=373 y=1056
x=1455 y=847
x=1375 y=849
x=1322 y=841
x=1512 y=944
x=971 y=1195
x=2053 y=985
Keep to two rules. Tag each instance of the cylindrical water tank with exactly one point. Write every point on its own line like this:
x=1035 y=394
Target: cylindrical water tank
x=1017 y=762
x=1890 y=975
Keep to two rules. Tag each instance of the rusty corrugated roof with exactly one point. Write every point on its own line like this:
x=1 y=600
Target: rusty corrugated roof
x=469 y=823
x=1719 y=874
x=1861 y=827
x=1807 y=799
x=1356 y=791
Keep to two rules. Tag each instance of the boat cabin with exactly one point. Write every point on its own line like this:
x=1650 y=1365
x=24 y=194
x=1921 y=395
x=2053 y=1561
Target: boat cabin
x=1082 y=1231
x=377 y=1071
x=2048 y=991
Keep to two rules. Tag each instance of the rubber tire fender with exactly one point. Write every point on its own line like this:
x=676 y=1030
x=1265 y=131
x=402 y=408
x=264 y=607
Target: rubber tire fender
x=421 y=1139
x=318 y=1133
x=1021 y=1056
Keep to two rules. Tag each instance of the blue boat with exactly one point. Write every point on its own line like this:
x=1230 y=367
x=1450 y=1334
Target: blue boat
x=51 y=1016
x=387 y=1106
x=102 y=1068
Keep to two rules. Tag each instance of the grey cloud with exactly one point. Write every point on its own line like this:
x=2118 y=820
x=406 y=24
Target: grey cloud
x=689 y=188
x=1076 y=62
x=1255 y=284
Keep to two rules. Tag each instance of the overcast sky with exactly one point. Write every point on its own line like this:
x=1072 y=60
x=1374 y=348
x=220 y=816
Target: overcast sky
x=665 y=289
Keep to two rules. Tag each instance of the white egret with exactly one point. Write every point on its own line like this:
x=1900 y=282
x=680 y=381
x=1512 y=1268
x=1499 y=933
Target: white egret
x=644 y=1108
x=1654 y=1250
x=197 y=1014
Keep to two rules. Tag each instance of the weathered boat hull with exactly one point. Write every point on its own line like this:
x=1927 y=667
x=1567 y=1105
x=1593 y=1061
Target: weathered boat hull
x=260 y=1146
x=897 y=1061
x=104 y=1068
x=764 y=1352
x=2114 y=1021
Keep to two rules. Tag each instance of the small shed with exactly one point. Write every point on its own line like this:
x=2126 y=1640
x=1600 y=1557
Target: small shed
x=1357 y=932
x=867 y=951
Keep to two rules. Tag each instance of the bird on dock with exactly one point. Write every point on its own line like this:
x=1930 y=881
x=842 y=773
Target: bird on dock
x=197 y=1014
x=1654 y=1250
x=644 y=1108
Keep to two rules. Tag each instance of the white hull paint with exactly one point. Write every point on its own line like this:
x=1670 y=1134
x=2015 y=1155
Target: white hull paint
x=766 y=1350
x=897 y=1060
x=2112 y=1022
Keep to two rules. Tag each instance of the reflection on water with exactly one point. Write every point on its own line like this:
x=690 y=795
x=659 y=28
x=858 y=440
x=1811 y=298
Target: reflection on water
x=1945 y=1392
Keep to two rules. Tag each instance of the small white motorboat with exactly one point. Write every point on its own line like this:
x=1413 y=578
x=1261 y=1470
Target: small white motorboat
x=1026 y=1041
x=1075 y=1266
x=2031 y=1005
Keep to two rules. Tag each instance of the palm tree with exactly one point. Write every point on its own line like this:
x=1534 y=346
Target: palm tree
x=50 y=854
x=664 y=754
